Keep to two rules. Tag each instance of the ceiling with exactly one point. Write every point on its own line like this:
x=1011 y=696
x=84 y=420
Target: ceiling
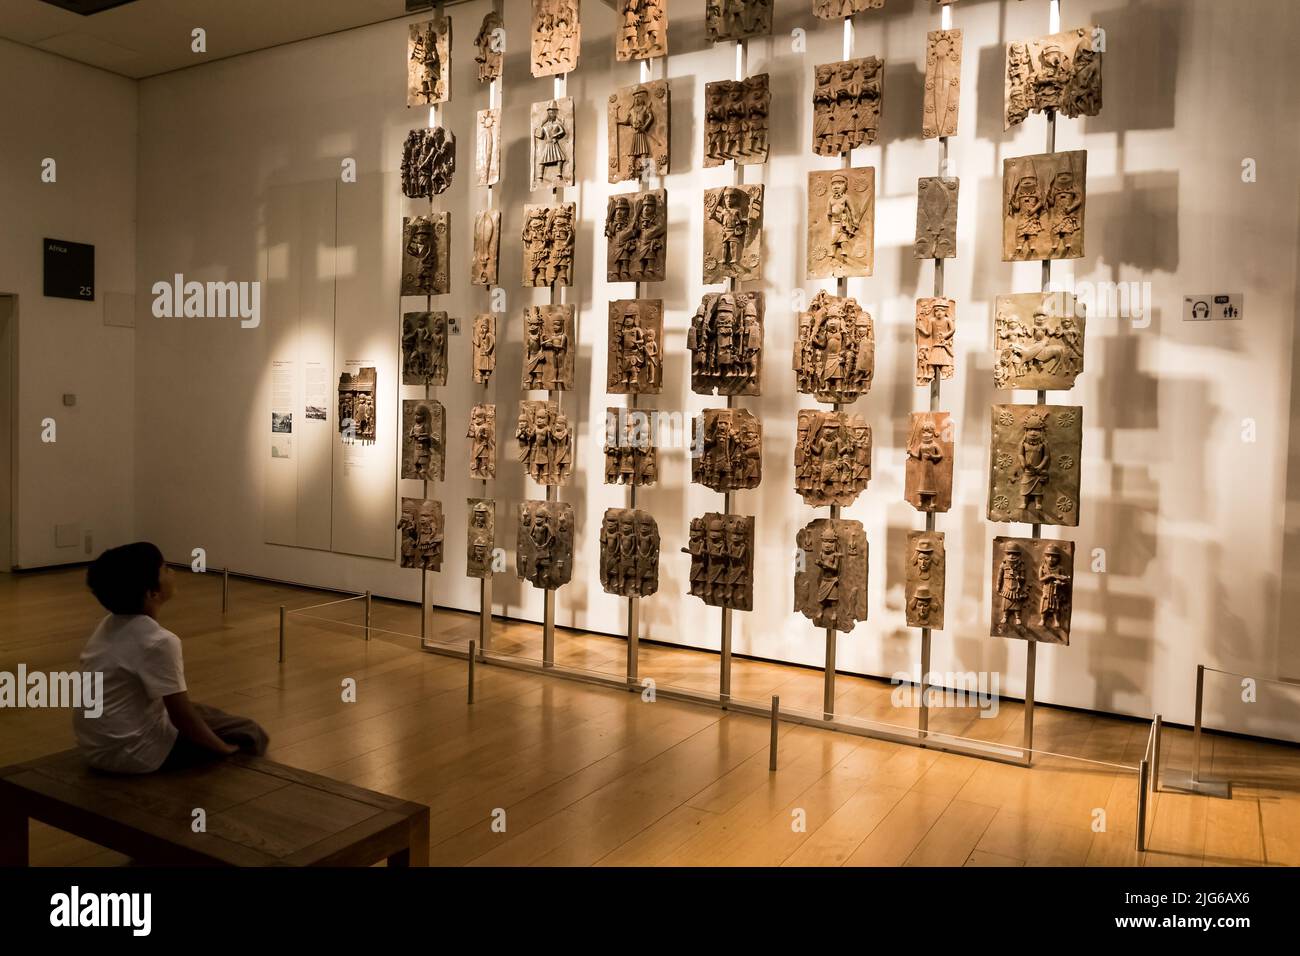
x=148 y=37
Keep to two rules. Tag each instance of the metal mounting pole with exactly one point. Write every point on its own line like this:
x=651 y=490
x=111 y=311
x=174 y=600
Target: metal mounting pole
x=282 y=628
x=225 y=590
x=1144 y=770
x=469 y=694
x=369 y=604
x=776 y=719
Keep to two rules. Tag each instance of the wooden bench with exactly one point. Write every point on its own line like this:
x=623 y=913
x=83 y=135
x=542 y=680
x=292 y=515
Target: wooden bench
x=258 y=813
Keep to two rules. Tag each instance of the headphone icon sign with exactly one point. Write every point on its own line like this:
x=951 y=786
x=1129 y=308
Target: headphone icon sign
x=1201 y=310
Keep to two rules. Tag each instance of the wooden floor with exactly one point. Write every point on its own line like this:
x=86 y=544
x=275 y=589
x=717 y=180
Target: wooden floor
x=586 y=775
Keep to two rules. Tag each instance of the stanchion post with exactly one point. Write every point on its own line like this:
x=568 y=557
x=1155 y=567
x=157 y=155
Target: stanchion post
x=771 y=746
x=225 y=590
x=368 y=606
x=1144 y=770
x=1157 y=728
x=282 y=626
x=470 y=692
x=1196 y=728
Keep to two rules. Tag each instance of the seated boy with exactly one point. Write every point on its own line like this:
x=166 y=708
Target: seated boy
x=148 y=720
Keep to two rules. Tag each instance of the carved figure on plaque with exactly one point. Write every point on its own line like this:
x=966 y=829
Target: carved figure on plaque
x=552 y=143
x=421 y=530
x=835 y=350
x=481 y=537
x=841 y=223
x=643 y=30
x=936 y=323
x=428 y=161
x=545 y=442
x=424 y=348
x=936 y=217
x=485 y=346
x=636 y=234
x=487 y=248
x=737 y=19
x=1038 y=340
x=942 y=83
x=1034 y=465
x=357 y=406
x=428 y=62
x=924 y=581
x=424 y=440
x=544 y=553
x=1033 y=589
x=722 y=560
x=735 y=120
x=830 y=585
x=930 y=450
x=482 y=437
x=839 y=9
x=549 y=345
x=630 y=454
x=426 y=254
x=557 y=36
x=727 y=449
x=1060 y=71
x=638 y=131
x=846 y=104
x=733 y=233
x=832 y=457
x=1044 y=197
x=490 y=45
x=726 y=344
x=629 y=553
x=487 y=146
x=548 y=244
x=635 y=362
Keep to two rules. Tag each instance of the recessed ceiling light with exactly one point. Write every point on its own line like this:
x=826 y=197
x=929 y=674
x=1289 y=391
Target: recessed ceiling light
x=87 y=7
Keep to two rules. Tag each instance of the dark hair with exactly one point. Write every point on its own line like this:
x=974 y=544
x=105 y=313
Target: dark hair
x=121 y=577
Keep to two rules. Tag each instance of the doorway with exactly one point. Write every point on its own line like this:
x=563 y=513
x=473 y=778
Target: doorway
x=8 y=409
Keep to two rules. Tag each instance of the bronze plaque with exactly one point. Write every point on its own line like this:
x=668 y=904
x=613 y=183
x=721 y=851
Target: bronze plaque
x=629 y=553
x=490 y=47
x=936 y=217
x=549 y=345
x=835 y=350
x=544 y=548
x=421 y=530
x=487 y=146
x=482 y=435
x=424 y=348
x=642 y=32
x=924 y=581
x=635 y=363
x=1038 y=340
x=545 y=442
x=636 y=234
x=726 y=344
x=830 y=580
x=631 y=457
x=1044 y=197
x=557 y=37
x=737 y=19
x=841 y=223
x=485 y=346
x=428 y=62
x=426 y=254
x=735 y=121
x=638 y=131
x=846 y=104
x=553 y=130
x=357 y=412
x=722 y=560
x=727 y=449
x=481 y=536
x=424 y=440
x=832 y=457
x=733 y=233
x=930 y=450
x=942 y=84
x=548 y=244
x=1033 y=589
x=936 y=324
x=1034 y=466
x=839 y=9
x=1060 y=71
x=428 y=162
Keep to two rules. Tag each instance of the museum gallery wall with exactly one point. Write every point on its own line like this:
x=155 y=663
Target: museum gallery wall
x=979 y=469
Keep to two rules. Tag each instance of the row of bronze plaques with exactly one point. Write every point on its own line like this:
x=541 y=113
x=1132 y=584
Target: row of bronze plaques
x=1032 y=578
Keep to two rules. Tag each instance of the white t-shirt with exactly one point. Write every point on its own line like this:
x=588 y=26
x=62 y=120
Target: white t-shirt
x=141 y=664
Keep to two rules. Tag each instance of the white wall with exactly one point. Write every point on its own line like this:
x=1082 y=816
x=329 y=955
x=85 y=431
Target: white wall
x=1188 y=514
x=86 y=120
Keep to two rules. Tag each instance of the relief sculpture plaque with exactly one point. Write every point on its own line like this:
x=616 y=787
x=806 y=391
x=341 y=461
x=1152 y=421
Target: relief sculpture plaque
x=830 y=585
x=424 y=440
x=485 y=346
x=725 y=340
x=936 y=217
x=487 y=248
x=636 y=234
x=548 y=348
x=924 y=581
x=1038 y=340
x=841 y=223
x=832 y=457
x=735 y=120
x=552 y=143
x=727 y=449
x=426 y=254
x=557 y=36
x=936 y=324
x=481 y=536
x=428 y=62
x=635 y=357
x=835 y=350
x=629 y=553
x=545 y=442
x=1043 y=206
x=490 y=47
x=357 y=406
x=548 y=244
x=428 y=162
x=487 y=146
x=544 y=549
x=638 y=131
x=631 y=457
x=733 y=233
x=846 y=104
x=737 y=19
x=421 y=530
x=642 y=29
x=722 y=560
x=1034 y=466
x=839 y=9
x=482 y=435
x=1033 y=589
x=942 y=84
x=424 y=348
x=930 y=450
x=1061 y=71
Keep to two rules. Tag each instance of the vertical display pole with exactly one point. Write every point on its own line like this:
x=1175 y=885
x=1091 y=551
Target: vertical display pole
x=558 y=90
x=1031 y=652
